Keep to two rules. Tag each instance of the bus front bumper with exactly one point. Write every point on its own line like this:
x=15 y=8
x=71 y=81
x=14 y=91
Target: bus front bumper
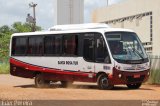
x=123 y=77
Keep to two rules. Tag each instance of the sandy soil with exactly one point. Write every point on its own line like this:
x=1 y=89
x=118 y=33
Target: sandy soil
x=15 y=88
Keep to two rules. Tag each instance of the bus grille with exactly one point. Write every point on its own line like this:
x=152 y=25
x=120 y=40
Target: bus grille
x=131 y=79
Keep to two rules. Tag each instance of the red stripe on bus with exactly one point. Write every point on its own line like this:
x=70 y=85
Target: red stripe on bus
x=31 y=67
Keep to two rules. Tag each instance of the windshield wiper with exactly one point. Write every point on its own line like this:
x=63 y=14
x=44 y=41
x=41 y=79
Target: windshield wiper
x=135 y=51
x=139 y=54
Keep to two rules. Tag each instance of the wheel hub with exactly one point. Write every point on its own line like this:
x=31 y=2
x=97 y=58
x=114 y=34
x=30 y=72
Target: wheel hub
x=104 y=82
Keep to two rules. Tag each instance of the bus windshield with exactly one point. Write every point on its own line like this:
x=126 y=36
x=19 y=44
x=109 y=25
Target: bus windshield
x=126 y=47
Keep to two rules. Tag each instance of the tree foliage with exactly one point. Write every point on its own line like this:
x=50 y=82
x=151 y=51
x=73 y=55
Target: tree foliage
x=18 y=27
x=5 y=34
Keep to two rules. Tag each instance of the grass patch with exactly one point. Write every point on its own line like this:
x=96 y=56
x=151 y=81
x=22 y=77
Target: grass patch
x=154 y=77
x=4 y=68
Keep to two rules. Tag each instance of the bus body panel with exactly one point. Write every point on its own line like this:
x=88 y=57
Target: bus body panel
x=28 y=70
x=76 y=68
x=22 y=69
x=72 y=66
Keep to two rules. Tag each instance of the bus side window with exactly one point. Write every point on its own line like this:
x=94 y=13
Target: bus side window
x=58 y=45
x=101 y=52
x=35 y=46
x=88 y=47
x=70 y=45
x=49 y=45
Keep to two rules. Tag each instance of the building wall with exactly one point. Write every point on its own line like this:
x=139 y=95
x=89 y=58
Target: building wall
x=142 y=16
x=69 y=11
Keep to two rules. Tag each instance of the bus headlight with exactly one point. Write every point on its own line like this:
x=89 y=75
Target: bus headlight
x=120 y=75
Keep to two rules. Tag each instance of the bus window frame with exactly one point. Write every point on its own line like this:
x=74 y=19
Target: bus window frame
x=94 y=53
x=31 y=55
x=55 y=54
x=76 y=46
x=80 y=45
x=15 y=37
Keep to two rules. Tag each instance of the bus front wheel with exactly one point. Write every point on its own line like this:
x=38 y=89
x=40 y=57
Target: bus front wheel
x=40 y=82
x=103 y=82
x=134 y=86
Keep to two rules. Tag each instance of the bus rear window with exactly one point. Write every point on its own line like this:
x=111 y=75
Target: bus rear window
x=19 y=45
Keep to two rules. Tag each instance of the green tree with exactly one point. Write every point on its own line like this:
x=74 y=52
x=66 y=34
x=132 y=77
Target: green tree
x=4 y=47
x=5 y=34
x=4 y=30
x=23 y=27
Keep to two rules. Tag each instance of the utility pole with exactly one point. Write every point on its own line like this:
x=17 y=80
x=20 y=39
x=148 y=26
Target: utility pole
x=34 y=15
x=107 y=3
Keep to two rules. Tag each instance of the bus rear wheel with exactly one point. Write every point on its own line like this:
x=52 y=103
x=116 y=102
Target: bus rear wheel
x=66 y=83
x=103 y=82
x=40 y=82
x=134 y=86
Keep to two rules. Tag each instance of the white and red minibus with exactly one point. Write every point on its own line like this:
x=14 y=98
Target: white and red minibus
x=83 y=52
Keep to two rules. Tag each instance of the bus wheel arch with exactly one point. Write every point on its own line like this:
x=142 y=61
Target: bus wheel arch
x=99 y=73
x=37 y=72
x=103 y=81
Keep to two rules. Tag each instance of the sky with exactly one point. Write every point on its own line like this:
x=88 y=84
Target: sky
x=16 y=10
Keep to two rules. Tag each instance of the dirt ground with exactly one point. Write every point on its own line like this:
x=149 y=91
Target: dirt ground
x=15 y=88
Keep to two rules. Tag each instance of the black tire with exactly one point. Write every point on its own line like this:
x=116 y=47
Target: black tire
x=134 y=86
x=40 y=82
x=66 y=83
x=103 y=82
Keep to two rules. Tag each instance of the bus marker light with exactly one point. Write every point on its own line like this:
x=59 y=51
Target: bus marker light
x=14 y=68
x=119 y=67
x=148 y=73
x=26 y=68
x=90 y=75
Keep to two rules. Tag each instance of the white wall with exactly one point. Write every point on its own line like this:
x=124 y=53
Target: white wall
x=69 y=11
x=142 y=26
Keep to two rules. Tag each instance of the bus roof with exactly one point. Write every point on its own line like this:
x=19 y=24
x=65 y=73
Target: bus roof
x=76 y=28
